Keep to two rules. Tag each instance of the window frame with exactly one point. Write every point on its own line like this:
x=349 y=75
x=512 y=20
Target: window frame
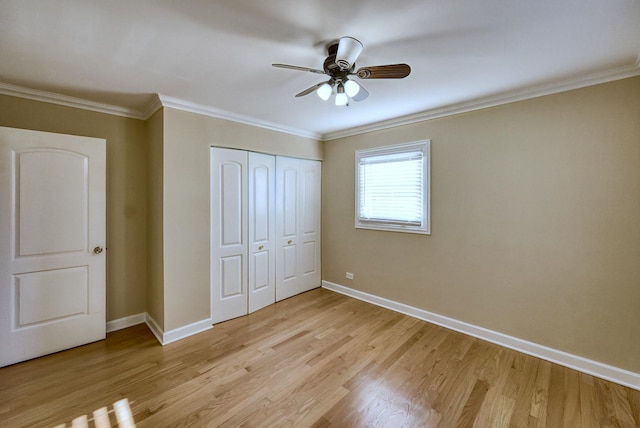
x=392 y=226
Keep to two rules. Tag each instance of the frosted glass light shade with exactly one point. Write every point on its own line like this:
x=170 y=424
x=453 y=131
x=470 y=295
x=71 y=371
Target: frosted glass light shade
x=351 y=88
x=324 y=91
x=348 y=51
x=341 y=99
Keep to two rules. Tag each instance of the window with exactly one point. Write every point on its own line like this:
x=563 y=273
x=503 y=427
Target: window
x=392 y=188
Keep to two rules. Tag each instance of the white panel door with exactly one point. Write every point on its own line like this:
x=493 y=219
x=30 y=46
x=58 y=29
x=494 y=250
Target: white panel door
x=297 y=226
x=309 y=227
x=287 y=182
x=261 y=207
x=228 y=234
x=52 y=234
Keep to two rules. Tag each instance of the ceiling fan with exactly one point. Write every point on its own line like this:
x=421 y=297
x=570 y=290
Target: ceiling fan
x=339 y=65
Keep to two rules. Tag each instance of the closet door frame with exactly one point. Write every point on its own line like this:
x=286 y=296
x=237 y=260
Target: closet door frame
x=265 y=230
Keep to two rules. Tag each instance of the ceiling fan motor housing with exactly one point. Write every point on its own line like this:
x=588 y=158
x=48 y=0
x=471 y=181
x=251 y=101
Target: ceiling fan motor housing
x=333 y=68
x=330 y=65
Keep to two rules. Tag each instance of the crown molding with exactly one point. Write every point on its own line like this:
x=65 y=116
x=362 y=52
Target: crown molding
x=158 y=100
x=179 y=104
x=492 y=101
x=153 y=106
x=67 y=101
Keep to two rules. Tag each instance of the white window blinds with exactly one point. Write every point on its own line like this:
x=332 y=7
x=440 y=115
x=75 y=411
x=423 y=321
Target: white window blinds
x=391 y=188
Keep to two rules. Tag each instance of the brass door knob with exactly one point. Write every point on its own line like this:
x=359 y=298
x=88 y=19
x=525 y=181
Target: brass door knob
x=289 y=241
x=97 y=250
x=261 y=247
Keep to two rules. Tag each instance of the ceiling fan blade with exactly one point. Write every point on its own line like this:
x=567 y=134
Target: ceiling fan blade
x=391 y=71
x=295 y=67
x=348 y=51
x=361 y=95
x=310 y=90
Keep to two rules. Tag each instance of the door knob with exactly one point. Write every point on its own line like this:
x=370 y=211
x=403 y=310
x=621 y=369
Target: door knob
x=97 y=250
x=289 y=241
x=261 y=247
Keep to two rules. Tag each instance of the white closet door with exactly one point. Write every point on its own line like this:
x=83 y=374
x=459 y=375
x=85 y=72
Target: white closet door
x=228 y=234
x=261 y=207
x=309 y=227
x=287 y=182
x=297 y=226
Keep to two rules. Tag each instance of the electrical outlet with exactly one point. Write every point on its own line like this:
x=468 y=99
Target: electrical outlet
x=349 y=275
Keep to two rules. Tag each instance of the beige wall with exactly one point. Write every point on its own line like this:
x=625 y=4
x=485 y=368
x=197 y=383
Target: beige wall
x=535 y=215
x=126 y=189
x=187 y=139
x=535 y=222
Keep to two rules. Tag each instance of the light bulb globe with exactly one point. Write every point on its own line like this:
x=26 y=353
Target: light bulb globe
x=324 y=91
x=351 y=88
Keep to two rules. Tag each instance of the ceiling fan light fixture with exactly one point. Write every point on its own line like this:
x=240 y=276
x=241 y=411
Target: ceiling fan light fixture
x=341 y=97
x=351 y=88
x=339 y=66
x=324 y=91
x=348 y=51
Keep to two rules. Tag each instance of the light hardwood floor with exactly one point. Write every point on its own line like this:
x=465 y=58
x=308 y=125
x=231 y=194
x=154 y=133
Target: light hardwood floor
x=316 y=360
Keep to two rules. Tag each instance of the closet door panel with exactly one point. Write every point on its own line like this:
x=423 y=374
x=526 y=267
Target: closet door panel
x=298 y=226
x=228 y=234
x=287 y=209
x=230 y=190
x=259 y=193
x=309 y=231
x=310 y=200
x=289 y=217
x=261 y=207
x=231 y=276
x=308 y=259
x=289 y=262
x=261 y=272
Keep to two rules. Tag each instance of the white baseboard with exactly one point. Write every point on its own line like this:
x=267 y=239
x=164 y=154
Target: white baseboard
x=163 y=337
x=154 y=327
x=594 y=368
x=125 y=322
x=186 y=331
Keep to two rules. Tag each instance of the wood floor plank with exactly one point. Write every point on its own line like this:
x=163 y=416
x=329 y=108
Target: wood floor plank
x=589 y=413
x=540 y=397
x=524 y=378
x=622 y=406
x=604 y=402
x=473 y=404
x=634 y=405
x=557 y=397
x=571 y=411
x=319 y=359
x=495 y=373
x=453 y=397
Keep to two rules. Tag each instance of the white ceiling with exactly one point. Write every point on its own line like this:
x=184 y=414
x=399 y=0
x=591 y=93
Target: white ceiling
x=217 y=55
